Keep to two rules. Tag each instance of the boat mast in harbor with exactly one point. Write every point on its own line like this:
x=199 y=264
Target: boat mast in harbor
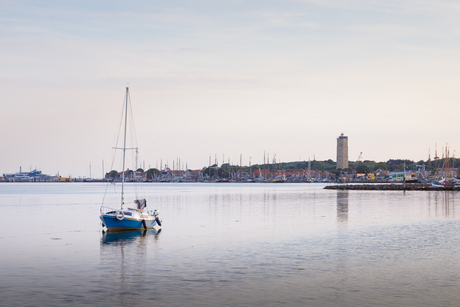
x=124 y=149
x=129 y=218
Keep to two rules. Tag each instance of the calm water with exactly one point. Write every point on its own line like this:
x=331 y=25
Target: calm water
x=231 y=244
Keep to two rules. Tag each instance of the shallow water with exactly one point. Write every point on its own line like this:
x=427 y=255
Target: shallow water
x=231 y=244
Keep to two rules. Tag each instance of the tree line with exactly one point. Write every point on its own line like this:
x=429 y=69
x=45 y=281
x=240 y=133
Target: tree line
x=366 y=166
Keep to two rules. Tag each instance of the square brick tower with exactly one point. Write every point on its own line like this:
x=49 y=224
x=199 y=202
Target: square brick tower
x=342 y=151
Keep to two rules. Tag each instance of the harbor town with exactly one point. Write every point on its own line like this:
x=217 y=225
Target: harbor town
x=328 y=171
x=437 y=170
x=227 y=173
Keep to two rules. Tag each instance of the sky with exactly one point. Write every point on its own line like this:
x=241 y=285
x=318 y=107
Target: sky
x=226 y=79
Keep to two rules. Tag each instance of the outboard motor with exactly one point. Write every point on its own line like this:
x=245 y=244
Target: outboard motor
x=157 y=219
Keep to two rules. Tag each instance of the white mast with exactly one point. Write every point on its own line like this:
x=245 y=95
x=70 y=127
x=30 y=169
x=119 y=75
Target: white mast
x=124 y=151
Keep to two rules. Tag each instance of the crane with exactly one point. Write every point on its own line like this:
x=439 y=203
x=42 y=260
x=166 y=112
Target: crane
x=358 y=160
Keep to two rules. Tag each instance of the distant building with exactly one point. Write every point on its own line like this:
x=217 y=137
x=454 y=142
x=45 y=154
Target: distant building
x=32 y=176
x=342 y=151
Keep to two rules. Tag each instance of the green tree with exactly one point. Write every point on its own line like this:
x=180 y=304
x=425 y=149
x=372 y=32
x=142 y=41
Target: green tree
x=380 y=165
x=113 y=174
x=362 y=168
x=129 y=174
x=152 y=173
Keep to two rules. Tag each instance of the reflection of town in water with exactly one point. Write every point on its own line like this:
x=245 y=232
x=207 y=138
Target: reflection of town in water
x=124 y=264
x=433 y=204
x=342 y=207
x=442 y=204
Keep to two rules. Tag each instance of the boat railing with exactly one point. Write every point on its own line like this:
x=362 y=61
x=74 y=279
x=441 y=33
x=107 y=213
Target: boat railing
x=104 y=210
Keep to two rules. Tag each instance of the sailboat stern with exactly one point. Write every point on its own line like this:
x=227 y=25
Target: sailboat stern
x=126 y=220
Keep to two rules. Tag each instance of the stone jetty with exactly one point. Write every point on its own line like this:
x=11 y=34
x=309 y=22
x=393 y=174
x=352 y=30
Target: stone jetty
x=390 y=187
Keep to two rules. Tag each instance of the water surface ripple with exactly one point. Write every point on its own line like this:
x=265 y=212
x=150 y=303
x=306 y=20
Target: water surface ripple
x=231 y=245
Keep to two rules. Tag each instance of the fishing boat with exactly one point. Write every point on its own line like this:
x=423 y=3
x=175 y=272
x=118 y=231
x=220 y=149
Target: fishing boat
x=446 y=183
x=131 y=215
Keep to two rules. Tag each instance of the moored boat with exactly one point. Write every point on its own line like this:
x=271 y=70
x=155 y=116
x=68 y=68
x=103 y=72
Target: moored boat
x=449 y=183
x=128 y=218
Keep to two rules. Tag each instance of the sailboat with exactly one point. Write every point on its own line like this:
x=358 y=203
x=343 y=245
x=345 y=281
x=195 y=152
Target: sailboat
x=447 y=180
x=136 y=216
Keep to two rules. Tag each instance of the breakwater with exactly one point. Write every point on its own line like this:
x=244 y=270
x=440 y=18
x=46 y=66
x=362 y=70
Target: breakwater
x=390 y=187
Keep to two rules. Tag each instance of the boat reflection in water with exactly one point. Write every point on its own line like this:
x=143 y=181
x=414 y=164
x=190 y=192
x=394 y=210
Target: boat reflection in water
x=442 y=204
x=127 y=265
x=128 y=236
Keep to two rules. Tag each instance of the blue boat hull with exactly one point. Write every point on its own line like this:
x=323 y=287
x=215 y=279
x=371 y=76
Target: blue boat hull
x=112 y=223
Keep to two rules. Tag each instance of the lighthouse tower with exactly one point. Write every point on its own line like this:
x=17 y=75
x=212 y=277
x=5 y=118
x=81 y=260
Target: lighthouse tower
x=342 y=151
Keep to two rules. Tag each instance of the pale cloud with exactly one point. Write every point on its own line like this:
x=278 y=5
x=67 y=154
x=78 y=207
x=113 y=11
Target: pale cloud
x=389 y=6
x=386 y=29
x=286 y=19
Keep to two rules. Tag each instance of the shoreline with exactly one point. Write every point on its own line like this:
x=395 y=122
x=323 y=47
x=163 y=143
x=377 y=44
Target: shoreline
x=390 y=187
